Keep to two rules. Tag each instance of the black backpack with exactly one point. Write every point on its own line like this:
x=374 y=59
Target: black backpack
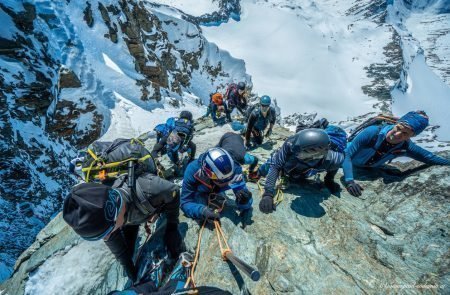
x=108 y=160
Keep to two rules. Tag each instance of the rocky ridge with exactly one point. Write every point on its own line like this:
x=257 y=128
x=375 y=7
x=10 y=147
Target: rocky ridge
x=393 y=239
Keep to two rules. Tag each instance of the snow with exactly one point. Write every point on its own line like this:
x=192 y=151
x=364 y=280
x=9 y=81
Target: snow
x=307 y=68
x=79 y=272
x=425 y=92
x=192 y=7
x=111 y=64
x=7 y=29
x=130 y=120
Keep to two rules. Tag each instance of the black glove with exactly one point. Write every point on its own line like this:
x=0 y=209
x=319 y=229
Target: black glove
x=332 y=186
x=173 y=240
x=244 y=199
x=210 y=214
x=266 y=204
x=269 y=132
x=354 y=189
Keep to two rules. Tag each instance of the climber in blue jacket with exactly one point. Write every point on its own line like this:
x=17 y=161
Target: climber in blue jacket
x=213 y=173
x=376 y=145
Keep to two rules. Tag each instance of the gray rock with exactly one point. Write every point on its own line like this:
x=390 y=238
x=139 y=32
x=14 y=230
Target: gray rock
x=394 y=239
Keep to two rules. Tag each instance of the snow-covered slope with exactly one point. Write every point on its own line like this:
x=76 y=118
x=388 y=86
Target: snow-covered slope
x=74 y=71
x=342 y=59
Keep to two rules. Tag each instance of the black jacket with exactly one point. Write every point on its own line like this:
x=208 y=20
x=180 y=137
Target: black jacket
x=153 y=196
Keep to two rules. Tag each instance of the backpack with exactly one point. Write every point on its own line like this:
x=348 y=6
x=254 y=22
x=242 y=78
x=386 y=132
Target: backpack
x=164 y=129
x=108 y=160
x=217 y=99
x=377 y=120
x=338 y=138
x=231 y=87
x=184 y=126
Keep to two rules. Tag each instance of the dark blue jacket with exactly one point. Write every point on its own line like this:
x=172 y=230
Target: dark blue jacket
x=364 y=146
x=196 y=189
x=284 y=159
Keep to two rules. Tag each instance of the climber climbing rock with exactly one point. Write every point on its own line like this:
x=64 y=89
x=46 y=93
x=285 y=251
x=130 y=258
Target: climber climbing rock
x=174 y=138
x=235 y=97
x=377 y=144
x=259 y=118
x=213 y=173
x=303 y=155
x=96 y=211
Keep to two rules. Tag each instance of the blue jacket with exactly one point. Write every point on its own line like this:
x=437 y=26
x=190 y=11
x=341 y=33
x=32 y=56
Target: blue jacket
x=195 y=190
x=362 y=149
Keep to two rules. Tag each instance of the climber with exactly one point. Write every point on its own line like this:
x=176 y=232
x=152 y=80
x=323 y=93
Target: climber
x=308 y=152
x=257 y=122
x=209 y=176
x=175 y=138
x=96 y=211
x=218 y=107
x=235 y=98
x=376 y=145
x=234 y=144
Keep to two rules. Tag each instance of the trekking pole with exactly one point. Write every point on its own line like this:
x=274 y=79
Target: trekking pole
x=250 y=271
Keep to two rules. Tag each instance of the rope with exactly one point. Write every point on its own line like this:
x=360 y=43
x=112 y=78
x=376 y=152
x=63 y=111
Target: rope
x=279 y=196
x=197 y=252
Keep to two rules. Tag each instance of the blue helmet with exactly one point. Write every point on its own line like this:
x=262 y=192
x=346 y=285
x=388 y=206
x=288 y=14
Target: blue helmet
x=218 y=165
x=265 y=100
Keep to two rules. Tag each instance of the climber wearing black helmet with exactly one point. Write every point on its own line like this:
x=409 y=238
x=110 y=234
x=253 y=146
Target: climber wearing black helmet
x=175 y=138
x=258 y=120
x=234 y=97
x=303 y=155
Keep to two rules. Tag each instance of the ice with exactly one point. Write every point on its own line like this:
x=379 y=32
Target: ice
x=192 y=7
x=111 y=64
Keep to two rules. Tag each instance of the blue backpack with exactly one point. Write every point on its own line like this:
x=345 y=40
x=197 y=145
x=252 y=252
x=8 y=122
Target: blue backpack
x=338 y=138
x=164 y=129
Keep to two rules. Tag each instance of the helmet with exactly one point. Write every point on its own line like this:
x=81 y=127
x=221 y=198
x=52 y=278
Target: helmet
x=186 y=115
x=265 y=100
x=218 y=165
x=241 y=86
x=311 y=144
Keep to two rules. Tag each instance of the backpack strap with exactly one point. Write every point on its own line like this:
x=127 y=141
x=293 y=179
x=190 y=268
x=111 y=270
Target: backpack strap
x=143 y=203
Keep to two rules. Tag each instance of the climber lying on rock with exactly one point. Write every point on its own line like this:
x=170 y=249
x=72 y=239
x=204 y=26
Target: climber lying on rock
x=205 y=181
x=303 y=155
x=377 y=144
x=96 y=211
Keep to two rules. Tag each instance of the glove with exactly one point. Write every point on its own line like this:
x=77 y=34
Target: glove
x=173 y=240
x=332 y=186
x=269 y=132
x=354 y=189
x=244 y=199
x=209 y=214
x=266 y=204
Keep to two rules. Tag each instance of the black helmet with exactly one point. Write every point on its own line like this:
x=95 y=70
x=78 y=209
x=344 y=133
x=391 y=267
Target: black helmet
x=311 y=144
x=241 y=86
x=186 y=115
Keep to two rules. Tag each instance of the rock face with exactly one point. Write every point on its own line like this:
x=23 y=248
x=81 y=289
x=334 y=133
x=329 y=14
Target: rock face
x=393 y=239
